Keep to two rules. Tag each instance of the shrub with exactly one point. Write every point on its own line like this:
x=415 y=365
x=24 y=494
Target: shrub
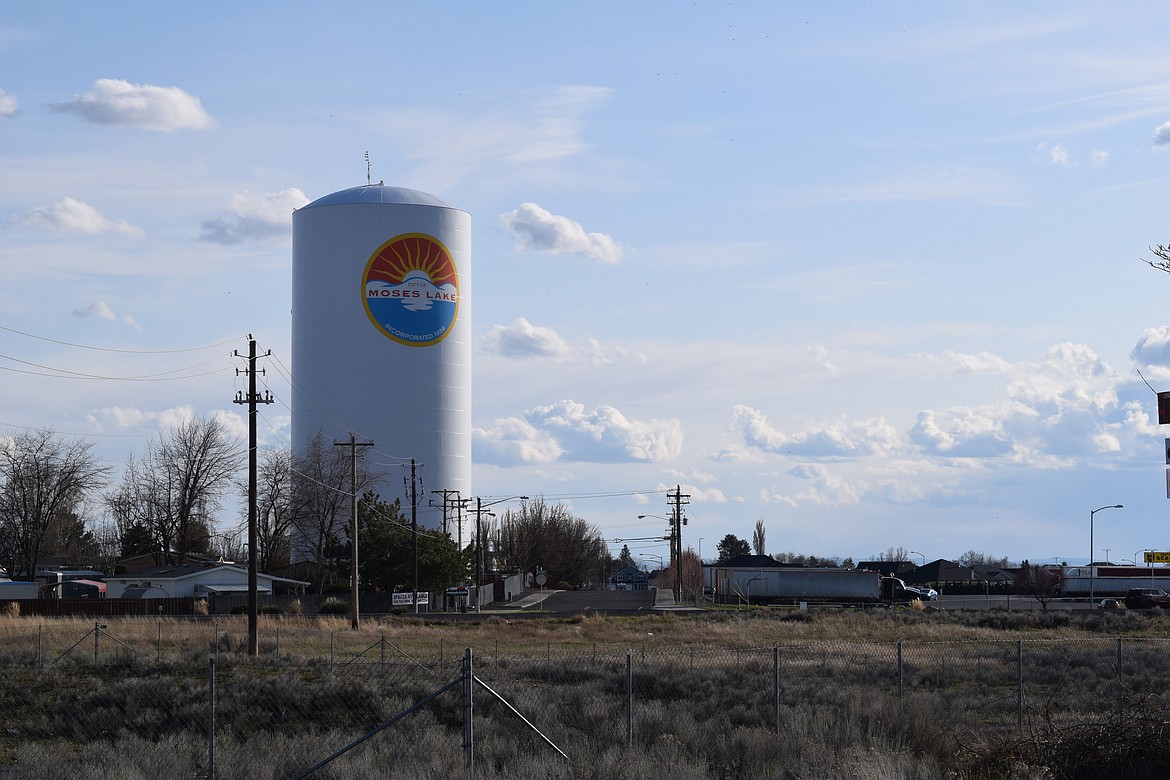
x=333 y=606
x=11 y=609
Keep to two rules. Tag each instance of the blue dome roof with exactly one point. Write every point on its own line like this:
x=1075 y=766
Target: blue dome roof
x=379 y=193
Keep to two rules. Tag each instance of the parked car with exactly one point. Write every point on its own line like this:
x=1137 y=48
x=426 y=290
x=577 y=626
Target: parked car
x=1110 y=604
x=1146 y=598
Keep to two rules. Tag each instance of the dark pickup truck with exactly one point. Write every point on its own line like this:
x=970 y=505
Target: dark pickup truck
x=1146 y=598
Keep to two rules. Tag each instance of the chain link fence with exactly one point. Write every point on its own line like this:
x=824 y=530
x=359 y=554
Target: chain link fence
x=99 y=707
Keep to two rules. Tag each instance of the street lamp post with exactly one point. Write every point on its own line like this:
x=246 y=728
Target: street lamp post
x=479 y=507
x=915 y=552
x=1092 y=568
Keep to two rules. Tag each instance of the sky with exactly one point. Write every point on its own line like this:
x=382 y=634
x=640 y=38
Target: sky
x=870 y=272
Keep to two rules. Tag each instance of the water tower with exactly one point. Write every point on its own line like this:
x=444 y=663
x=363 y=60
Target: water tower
x=381 y=336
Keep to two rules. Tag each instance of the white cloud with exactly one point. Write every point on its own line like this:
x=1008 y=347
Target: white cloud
x=568 y=431
x=1058 y=155
x=598 y=354
x=254 y=216
x=73 y=216
x=120 y=418
x=981 y=363
x=1162 y=135
x=118 y=102
x=606 y=435
x=841 y=439
x=1098 y=157
x=1153 y=348
x=102 y=311
x=523 y=339
x=538 y=230
x=513 y=441
x=513 y=139
x=8 y=104
x=960 y=434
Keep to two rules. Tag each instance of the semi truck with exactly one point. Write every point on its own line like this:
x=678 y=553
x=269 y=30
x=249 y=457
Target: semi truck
x=794 y=585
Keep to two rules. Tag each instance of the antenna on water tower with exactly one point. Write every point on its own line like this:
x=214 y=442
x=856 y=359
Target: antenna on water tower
x=368 y=180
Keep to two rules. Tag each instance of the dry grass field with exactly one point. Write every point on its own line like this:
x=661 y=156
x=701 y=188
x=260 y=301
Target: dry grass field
x=724 y=694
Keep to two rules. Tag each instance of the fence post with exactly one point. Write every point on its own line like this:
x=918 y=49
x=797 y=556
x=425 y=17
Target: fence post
x=382 y=649
x=97 y=632
x=629 y=699
x=1020 y=683
x=158 y=645
x=776 y=684
x=468 y=712
x=211 y=718
x=900 y=672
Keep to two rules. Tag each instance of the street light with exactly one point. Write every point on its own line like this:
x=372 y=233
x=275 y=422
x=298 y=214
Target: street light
x=1092 y=568
x=915 y=552
x=479 y=507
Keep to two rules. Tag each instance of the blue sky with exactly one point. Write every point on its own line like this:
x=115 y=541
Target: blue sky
x=869 y=272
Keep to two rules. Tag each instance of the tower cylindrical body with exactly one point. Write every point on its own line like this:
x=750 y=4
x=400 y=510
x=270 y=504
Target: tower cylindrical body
x=381 y=337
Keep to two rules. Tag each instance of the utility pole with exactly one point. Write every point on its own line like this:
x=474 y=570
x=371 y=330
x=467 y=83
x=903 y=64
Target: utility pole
x=450 y=499
x=414 y=530
x=677 y=522
x=251 y=400
x=353 y=444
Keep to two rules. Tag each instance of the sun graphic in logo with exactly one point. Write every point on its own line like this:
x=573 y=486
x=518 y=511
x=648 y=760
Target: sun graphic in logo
x=410 y=289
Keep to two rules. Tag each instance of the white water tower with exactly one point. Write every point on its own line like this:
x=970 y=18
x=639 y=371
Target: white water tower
x=381 y=336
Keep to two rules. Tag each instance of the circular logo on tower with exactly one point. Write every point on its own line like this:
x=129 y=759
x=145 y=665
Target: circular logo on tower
x=411 y=290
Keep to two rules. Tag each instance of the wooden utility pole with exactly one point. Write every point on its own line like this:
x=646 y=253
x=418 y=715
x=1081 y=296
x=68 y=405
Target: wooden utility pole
x=677 y=522
x=414 y=530
x=353 y=444
x=251 y=400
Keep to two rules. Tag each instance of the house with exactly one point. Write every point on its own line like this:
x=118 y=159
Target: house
x=195 y=580
x=629 y=578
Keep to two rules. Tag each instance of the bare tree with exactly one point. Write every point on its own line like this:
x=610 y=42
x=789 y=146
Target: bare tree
x=1162 y=252
x=274 y=509
x=568 y=547
x=171 y=490
x=692 y=574
x=1043 y=583
x=972 y=558
x=320 y=510
x=894 y=555
x=758 y=538
x=43 y=481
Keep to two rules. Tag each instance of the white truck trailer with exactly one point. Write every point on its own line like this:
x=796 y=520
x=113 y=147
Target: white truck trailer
x=13 y=591
x=793 y=585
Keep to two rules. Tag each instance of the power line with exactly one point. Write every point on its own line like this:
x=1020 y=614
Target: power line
x=124 y=351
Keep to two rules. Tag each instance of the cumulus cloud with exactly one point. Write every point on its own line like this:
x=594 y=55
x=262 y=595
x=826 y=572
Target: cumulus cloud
x=1153 y=348
x=963 y=433
x=568 y=431
x=605 y=435
x=121 y=418
x=1162 y=135
x=254 y=216
x=73 y=216
x=102 y=311
x=523 y=339
x=840 y=438
x=1056 y=154
x=8 y=104
x=538 y=230
x=118 y=102
x=513 y=441
x=1098 y=157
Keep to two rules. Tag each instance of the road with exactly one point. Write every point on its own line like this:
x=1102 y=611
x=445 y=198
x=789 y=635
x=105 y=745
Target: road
x=584 y=601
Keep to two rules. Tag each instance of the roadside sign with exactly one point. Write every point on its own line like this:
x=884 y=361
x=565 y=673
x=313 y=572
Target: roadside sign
x=1152 y=556
x=403 y=599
